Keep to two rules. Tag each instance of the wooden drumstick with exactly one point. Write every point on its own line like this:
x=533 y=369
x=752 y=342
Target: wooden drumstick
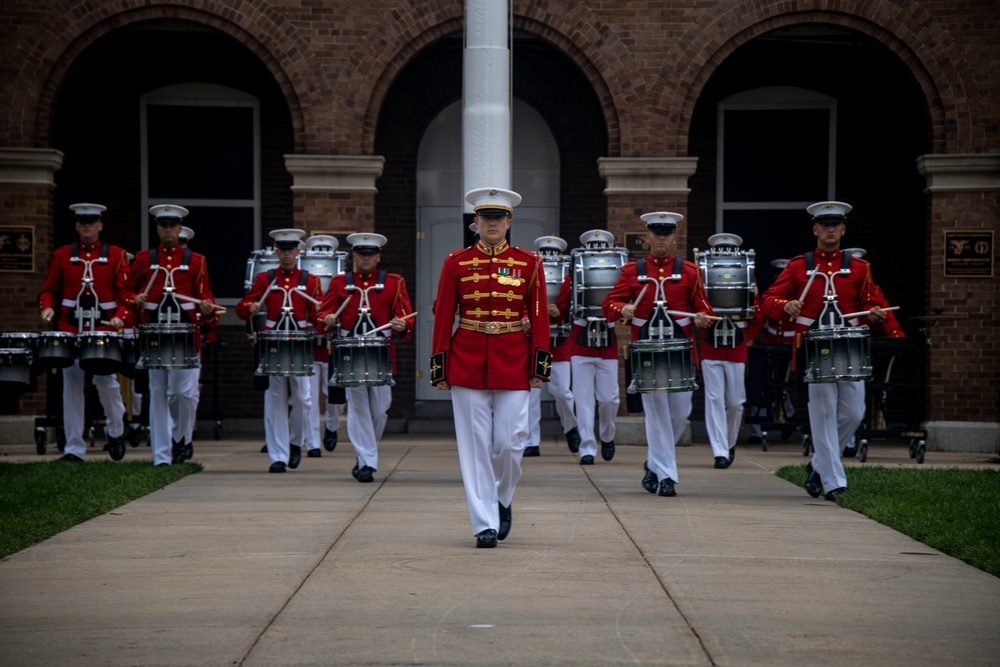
x=681 y=313
x=386 y=326
x=300 y=291
x=183 y=297
x=642 y=293
x=808 y=285
x=868 y=312
x=260 y=304
x=342 y=306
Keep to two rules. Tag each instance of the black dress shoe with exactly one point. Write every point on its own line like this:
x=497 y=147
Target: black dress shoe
x=850 y=452
x=573 y=440
x=160 y=465
x=833 y=493
x=531 y=451
x=277 y=466
x=732 y=455
x=134 y=435
x=607 y=450
x=366 y=474
x=329 y=439
x=721 y=462
x=813 y=485
x=486 y=539
x=354 y=470
x=189 y=450
x=116 y=448
x=294 y=456
x=263 y=450
x=177 y=452
x=505 y=521
x=70 y=458
x=649 y=481
x=667 y=487
x=587 y=460
x=314 y=453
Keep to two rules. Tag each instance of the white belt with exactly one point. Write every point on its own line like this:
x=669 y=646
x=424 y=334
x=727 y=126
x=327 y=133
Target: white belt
x=187 y=305
x=774 y=332
x=106 y=305
x=807 y=321
x=681 y=322
x=344 y=333
x=302 y=324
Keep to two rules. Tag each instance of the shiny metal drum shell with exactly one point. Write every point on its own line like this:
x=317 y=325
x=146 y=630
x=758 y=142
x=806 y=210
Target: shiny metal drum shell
x=56 y=349
x=838 y=354
x=595 y=273
x=168 y=346
x=729 y=278
x=100 y=352
x=286 y=353
x=661 y=366
x=360 y=361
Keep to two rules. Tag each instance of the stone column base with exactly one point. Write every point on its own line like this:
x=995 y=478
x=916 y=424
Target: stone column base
x=977 y=437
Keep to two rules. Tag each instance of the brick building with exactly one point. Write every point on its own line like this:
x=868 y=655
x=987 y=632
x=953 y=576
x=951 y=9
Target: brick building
x=341 y=116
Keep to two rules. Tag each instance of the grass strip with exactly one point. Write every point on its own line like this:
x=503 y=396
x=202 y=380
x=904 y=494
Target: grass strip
x=953 y=510
x=39 y=500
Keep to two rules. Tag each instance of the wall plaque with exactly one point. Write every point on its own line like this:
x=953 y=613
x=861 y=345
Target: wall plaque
x=968 y=252
x=635 y=243
x=17 y=249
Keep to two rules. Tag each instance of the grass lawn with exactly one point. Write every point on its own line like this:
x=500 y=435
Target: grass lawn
x=38 y=500
x=955 y=511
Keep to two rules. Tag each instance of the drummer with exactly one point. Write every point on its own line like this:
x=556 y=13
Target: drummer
x=318 y=382
x=144 y=292
x=594 y=369
x=289 y=283
x=388 y=304
x=559 y=380
x=723 y=354
x=65 y=299
x=835 y=408
x=686 y=294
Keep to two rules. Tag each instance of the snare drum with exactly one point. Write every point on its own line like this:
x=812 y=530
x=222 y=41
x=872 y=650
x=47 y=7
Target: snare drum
x=167 y=346
x=15 y=369
x=24 y=341
x=286 y=353
x=100 y=352
x=56 y=349
x=323 y=264
x=838 y=354
x=556 y=269
x=260 y=261
x=595 y=272
x=360 y=361
x=130 y=353
x=728 y=274
x=661 y=366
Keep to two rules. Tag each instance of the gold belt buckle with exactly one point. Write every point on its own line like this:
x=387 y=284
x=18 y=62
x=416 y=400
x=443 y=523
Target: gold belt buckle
x=493 y=327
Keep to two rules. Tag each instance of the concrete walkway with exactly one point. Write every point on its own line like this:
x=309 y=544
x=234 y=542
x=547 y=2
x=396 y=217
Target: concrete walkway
x=235 y=566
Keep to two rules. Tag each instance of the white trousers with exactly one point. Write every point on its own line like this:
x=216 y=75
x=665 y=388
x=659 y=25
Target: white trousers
x=276 y=399
x=663 y=417
x=162 y=429
x=301 y=427
x=595 y=380
x=534 y=438
x=183 y=429
x=74 y=407
x=490 y=427
x=367 y=413
x=835 y=413
x=725 y=394
x=562 y=391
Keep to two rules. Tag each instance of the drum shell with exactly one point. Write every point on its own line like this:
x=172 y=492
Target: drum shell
x=661 y=366
x=595 y=273
x=360 y=361
x=729 y=279
x=259 y=261
x=838 y=354
x=130 y=354
x=286 y=353
x=100 y=352
x=323 y=265
x=56 y=349
x=15 y=369
x=168 y=346
x=556 y=269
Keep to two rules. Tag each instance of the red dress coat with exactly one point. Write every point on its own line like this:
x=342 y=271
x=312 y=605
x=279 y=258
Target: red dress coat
x=855 y=291
x=687 y=294
x=192 y=282
x=65 y=277
x=736 y=353
x=490 y=289
x=389 y=302
x=303 y=310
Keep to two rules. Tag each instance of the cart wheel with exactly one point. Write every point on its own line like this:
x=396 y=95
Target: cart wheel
x=913 y=448
x=763 y=445
x=921 y=450
x=806 y=444
x=218 y=431
x=40 y=443
x=863 y=452
x=61 y=438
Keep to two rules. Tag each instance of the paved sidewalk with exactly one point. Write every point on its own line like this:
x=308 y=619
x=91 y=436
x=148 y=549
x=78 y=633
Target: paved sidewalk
x=234 y=566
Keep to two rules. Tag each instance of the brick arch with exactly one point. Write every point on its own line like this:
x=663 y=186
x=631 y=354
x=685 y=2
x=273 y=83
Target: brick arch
x=70 y=28
x=570 y=27
x=921 y=44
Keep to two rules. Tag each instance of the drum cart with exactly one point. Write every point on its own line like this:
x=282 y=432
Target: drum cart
x=771 y=388
x=53 y=413
x=894 y=396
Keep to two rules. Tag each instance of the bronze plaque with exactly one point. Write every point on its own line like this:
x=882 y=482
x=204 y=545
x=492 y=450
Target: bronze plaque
x=968 y=253
x=635 y=243
x=17 y=249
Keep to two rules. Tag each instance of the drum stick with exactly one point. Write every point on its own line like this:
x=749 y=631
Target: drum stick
x=260 y=304
x=300 y=292
x=642 y=293
x=808 y=285
x=150 y=283
x=183 y=297
x=342 y=306
x=867 y=312
x=386 y=326
x=681 y=313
